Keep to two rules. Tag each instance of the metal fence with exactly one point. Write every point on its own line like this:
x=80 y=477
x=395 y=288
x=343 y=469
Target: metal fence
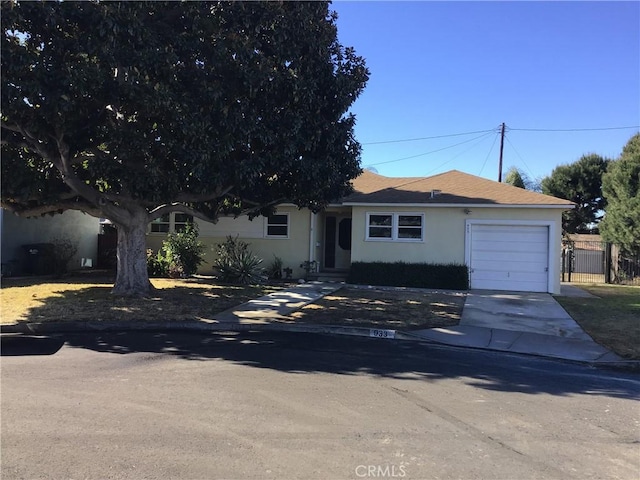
x=593 y=261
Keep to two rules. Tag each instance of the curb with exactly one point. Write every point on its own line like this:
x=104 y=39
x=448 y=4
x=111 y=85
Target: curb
x=85 y=327
x=384 y=334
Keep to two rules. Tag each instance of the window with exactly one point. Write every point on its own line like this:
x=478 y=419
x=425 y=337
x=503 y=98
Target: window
x=180 y=221
x=161 y=224
x=171 y=222
x=401 y=227
x=380 y=226
x=278 y=225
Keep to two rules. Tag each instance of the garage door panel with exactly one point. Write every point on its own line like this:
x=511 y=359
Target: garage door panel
x=522 y=247
x=509 y=257
x=515 y=267
x=531 y=236
x=510 y=285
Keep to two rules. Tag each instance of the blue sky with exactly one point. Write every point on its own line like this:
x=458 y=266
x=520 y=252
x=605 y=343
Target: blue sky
x=442 y=68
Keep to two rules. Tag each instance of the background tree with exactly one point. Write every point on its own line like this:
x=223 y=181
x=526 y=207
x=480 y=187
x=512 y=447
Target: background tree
x=131 y=110
x=515 y=177
x=579 y=182
x=520 y=179
x=621 y=187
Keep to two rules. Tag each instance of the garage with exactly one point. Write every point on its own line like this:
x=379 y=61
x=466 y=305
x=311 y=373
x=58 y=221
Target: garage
x=508 y=257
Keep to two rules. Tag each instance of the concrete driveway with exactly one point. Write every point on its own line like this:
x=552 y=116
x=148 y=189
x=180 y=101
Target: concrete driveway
x=519 y=322
x=521 y=312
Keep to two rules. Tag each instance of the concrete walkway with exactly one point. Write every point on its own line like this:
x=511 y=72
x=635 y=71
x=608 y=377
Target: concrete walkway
x=277 y=305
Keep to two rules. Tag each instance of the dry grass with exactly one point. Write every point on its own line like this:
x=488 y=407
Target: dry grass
x=395 y=309
x=85 y=298
x=612 y=319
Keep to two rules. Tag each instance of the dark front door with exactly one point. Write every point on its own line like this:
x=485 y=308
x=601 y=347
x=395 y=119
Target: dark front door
x=337 y=241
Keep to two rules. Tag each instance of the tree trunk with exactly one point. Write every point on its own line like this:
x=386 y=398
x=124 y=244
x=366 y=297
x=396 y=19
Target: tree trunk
x=132 y=278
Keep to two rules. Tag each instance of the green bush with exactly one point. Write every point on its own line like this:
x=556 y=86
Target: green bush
x=235 y=263
x=274 y=270
x=184 y=251
x=417 y=275
x=157 y=264
x=63 y=251
x=180 y=255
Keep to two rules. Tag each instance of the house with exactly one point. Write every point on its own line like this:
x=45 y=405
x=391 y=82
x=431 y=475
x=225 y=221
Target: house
x=509 y=237
x=21 y=235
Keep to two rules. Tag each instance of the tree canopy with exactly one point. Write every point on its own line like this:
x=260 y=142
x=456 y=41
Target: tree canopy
x=579 y=182
x=515 y=177
x=621 y=187
x=131 y=110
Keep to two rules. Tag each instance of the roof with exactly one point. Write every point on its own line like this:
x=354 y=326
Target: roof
x=455 y=188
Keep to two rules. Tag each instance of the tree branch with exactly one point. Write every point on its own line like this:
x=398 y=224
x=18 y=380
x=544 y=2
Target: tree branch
x=180 y=207
x=52 y=208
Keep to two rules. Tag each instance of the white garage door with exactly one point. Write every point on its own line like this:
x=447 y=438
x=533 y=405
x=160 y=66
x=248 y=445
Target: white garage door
x=509 y=257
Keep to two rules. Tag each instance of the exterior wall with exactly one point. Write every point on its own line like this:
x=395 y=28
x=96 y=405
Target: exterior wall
x=80 y=228
x=292 y=250
x=444 y=238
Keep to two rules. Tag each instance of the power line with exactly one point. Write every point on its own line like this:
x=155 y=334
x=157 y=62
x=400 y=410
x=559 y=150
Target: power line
x=463 y=152
x=508 y=129
x=432 y=151
x=428 y=138
x=488 y=154
x=572 y=129
x=520 y=156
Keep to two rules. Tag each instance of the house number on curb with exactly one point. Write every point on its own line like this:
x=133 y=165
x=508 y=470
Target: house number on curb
x=378 y=333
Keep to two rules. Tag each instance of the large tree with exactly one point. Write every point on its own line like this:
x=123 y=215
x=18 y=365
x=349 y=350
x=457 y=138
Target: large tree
x=621 y=187
x=580 y=182
x=131 y=110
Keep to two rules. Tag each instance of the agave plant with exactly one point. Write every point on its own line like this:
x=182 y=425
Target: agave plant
x=235 y=263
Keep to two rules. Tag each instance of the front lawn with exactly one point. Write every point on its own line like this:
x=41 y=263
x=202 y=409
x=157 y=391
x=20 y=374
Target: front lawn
x=89 y=298
x=385 y=308
x=612 y=319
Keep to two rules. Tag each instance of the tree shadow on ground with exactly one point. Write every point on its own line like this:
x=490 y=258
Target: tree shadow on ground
x=80 y=302
x=340 y=355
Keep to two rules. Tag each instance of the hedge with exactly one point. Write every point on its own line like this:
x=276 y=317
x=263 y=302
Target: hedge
x=418 y=275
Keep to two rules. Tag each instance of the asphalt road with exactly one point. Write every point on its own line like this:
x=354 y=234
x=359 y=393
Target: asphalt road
x=287 y=406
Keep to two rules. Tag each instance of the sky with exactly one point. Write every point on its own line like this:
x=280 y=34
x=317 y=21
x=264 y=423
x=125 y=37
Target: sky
x=439 y=69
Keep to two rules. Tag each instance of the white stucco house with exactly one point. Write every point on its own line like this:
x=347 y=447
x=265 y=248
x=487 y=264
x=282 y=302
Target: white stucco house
x=17 y=232
x=509 y=238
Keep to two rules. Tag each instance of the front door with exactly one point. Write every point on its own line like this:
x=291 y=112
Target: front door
x=337 y=241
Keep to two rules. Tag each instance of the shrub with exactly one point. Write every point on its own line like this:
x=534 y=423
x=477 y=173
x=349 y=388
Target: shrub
x=62 y=252
x=274 y=270
x=235 y=263
x=418 y=275
x=183 y=251
x=180 y=255
x=157 y=265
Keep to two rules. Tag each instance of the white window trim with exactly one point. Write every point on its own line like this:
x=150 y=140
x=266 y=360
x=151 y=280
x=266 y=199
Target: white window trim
x=394 y=227
x=172 y=225
x=280 y=237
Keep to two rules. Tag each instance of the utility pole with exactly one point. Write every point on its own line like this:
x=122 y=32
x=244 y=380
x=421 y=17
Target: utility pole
x=501 y=149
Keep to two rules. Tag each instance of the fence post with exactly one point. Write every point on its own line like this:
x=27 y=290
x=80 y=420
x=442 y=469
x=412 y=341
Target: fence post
x=607 y=259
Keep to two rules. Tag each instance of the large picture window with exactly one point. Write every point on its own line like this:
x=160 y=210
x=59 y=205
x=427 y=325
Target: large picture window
x=401 y=227
x=278 y=226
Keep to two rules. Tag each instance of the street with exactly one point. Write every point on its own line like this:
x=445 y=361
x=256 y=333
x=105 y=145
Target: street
x=284 y=405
